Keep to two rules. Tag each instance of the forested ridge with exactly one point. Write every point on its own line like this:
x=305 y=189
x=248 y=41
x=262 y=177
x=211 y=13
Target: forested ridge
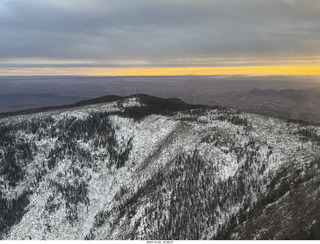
x=143 y=167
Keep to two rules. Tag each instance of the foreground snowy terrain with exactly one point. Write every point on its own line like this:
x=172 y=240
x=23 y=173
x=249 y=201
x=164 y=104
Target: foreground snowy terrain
x=148 y=168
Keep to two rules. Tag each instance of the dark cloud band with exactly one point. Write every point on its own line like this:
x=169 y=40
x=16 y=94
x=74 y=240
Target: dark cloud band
x=158 y=30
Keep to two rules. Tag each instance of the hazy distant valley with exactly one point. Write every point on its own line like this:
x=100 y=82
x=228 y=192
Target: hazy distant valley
x=288 y=97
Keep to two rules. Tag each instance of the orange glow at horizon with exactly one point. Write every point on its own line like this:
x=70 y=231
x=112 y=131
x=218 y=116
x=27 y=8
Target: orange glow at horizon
x=240 y=70
x=244 y=70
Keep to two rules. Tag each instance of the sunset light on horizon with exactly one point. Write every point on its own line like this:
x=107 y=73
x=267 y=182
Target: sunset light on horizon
x=143 y=38
x=245 y=70
x=170 y=71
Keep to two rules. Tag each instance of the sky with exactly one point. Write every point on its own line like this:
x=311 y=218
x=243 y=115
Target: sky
x=159 y=37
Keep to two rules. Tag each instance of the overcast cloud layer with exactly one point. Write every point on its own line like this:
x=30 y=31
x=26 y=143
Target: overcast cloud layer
x=117 y=33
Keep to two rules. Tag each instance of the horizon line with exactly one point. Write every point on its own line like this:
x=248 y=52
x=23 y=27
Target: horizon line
x=169 y=71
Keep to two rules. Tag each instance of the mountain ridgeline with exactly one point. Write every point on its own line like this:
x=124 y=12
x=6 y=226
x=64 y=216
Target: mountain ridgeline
x=143 y=167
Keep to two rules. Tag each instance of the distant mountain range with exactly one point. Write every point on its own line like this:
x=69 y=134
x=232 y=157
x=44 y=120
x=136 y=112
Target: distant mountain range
x=290 y=97
x=143 y=167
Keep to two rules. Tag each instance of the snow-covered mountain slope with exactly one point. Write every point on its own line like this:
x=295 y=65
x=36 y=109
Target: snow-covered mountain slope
x=147 y=168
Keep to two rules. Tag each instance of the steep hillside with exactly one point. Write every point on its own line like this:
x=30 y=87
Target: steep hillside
x=143 y=167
